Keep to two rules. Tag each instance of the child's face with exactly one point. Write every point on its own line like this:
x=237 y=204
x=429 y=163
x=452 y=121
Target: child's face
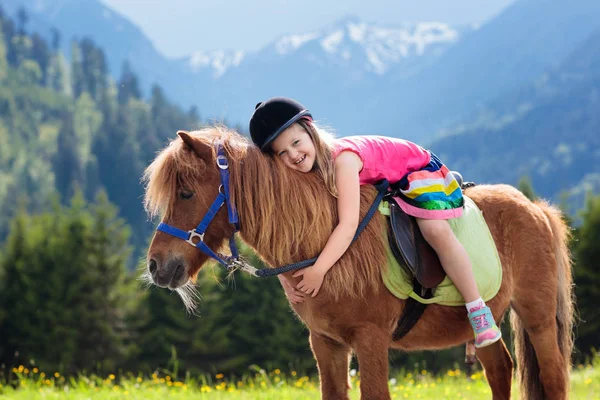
x=295 y=148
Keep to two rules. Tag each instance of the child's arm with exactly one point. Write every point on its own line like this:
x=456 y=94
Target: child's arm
x=347 y=168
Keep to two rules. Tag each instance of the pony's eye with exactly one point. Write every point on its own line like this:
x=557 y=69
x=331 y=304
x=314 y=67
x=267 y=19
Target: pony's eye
x=186 y=194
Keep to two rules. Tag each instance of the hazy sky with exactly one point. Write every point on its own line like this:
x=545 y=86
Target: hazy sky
x=179 y=27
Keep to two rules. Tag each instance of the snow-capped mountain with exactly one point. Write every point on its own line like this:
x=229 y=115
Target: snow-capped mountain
x=218 y=61
x=349 y=42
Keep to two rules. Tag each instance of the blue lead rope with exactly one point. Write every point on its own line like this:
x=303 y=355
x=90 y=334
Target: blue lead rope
x=381 y=186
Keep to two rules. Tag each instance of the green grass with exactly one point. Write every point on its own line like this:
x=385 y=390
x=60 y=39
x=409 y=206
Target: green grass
x=33 y=384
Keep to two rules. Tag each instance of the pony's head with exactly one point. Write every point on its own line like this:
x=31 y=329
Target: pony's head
x=181 y=184
x=285 y=216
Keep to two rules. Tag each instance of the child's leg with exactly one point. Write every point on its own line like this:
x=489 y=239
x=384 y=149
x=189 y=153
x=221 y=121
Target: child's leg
x=452 y=254
x=456 y=263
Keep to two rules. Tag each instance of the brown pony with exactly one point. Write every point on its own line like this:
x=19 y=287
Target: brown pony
x=287 y=216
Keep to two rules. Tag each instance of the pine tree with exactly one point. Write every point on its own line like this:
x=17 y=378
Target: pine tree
x=526 y=187
x=67 y=165
x=56 y=74
x=128 y=85
x=41 y=55
x=106 y=305
x=22 y=18
x=94 y=69
x=40 y=277
x=77 y=73
x=3 y=60
x=255 y=317
x=11 y=281
x=587 y=276
x=63 y=301
x=9 y=31
x=163 y=326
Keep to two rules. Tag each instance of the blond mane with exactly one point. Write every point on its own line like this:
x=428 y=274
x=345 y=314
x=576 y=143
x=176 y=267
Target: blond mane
x=286 y=216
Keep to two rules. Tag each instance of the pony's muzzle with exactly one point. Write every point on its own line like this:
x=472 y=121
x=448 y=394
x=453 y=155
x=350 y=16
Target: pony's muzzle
x=172 y=273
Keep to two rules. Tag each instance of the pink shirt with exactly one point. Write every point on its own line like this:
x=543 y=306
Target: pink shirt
x=383 y=157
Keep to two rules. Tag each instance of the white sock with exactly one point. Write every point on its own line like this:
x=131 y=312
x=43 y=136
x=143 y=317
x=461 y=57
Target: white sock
x=477 y=304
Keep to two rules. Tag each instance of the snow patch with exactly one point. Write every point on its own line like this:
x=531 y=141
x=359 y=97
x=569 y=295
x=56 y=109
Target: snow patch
x=220 y=61
x=330 y=42
x=357 y=32
x=291 y=43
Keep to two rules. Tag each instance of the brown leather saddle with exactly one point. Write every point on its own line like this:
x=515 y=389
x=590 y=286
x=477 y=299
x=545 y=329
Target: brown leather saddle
x=418 y=258
x=412 y=250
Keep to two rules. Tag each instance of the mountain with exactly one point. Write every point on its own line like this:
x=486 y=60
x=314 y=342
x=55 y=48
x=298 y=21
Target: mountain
x=347 y=57
x=349 y=43
x=511 y=50
x=547 y=130
x=120 y=39
x=321 y=68
x=410 y=81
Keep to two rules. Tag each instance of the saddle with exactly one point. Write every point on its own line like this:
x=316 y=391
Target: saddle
x=419 y=259
x=412 y=250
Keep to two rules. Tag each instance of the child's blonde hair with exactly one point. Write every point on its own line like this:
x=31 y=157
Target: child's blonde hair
x=323 y=142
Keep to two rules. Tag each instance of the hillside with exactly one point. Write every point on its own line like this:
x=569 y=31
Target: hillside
x=548 y=130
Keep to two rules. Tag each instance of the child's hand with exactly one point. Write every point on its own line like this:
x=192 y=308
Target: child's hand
x=294 y=295
x=312 y=280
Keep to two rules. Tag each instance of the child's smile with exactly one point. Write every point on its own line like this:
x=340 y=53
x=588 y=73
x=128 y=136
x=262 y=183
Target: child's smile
x=295 y=148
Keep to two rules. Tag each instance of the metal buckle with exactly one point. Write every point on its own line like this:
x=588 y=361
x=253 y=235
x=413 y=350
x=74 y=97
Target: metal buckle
x=225 y=164
x=243 y=266
x=194 y=234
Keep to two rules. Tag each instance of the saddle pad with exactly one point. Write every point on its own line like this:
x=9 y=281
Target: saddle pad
x=472 y=231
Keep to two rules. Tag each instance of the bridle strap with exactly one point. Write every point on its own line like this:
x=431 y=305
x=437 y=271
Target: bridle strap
x=198 y=233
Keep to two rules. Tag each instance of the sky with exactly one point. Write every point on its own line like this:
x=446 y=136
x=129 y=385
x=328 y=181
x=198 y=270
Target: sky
x=180 y=27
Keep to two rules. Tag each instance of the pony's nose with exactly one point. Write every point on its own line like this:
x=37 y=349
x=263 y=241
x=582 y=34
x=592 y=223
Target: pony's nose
x=169 y=273
x=152 y=267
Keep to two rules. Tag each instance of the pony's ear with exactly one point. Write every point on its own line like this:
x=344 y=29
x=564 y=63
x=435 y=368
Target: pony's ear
x=202 y=150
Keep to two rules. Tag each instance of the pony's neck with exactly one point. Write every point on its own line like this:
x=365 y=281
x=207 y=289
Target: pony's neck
x=288 y=216
x=285 y=215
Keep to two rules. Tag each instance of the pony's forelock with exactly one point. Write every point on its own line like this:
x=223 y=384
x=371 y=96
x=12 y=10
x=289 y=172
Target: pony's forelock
x=177 y=166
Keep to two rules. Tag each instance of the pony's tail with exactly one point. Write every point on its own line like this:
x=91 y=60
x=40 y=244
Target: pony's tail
x=528 y=369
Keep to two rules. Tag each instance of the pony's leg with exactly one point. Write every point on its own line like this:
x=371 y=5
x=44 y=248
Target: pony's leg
x=551 y=363
x=333 y=361
x=542 y=339
x=498 y=367
x=371 y=347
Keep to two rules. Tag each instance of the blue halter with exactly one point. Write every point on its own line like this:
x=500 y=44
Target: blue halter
x=223 y=197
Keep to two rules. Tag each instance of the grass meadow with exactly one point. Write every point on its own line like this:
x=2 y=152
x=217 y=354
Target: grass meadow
x=30 y=383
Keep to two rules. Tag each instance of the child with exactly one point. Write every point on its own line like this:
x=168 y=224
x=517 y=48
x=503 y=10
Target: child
x=284 y=128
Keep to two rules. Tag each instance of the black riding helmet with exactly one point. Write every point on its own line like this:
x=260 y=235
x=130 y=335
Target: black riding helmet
x=272 y=117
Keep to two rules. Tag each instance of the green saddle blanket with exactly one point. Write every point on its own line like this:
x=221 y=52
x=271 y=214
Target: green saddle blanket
x=473 y=232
